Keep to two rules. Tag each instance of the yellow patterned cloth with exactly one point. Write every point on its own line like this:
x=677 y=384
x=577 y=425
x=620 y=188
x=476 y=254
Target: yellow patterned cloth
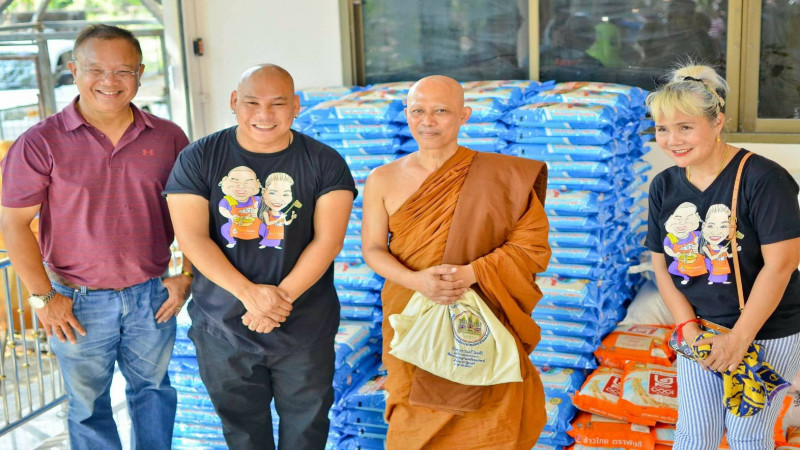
x=752 y=385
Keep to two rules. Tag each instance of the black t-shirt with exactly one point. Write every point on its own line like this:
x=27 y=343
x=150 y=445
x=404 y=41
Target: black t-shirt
x=261 y=215
x=691 y=227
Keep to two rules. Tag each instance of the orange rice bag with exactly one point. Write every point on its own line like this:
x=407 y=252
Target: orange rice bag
x=650 y=392
x=600 y=394
x=597 y=431
x=638 y=343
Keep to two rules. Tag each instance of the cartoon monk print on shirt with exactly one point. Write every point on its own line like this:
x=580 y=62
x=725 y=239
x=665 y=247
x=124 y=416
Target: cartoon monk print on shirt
x=276 y=195
x=716 y=229
x=240 y=205
x=683 y=242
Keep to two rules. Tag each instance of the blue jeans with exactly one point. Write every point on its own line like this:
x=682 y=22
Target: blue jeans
x=120 y=327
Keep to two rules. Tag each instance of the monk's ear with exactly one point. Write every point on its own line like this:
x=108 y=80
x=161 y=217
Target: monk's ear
x=467 y=111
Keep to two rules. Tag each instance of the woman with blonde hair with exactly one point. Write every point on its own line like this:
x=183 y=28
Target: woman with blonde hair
x=689 y=112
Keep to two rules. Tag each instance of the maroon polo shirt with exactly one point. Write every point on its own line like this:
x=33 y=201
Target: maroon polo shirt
x=103 y=221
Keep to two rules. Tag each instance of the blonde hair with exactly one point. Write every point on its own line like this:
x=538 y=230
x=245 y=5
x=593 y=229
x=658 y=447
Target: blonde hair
x=278 y=176
x=694 y=90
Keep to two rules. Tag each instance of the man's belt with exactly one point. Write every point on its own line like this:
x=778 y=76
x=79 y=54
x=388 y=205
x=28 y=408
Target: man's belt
x=58 y=279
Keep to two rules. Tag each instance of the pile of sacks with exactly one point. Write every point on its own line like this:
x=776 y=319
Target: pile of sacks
x=196 y=423
x=589 y=135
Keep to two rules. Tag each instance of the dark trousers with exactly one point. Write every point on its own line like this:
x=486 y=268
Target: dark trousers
x=242 y=384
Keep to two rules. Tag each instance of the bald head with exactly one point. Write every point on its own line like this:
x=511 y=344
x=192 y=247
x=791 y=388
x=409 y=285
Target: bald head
x=441 y=85
x=435 y=112
x=265 y=105
x=266 y=72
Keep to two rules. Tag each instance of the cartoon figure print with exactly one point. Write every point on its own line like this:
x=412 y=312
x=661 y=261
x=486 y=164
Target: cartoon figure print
x=276 y=195
x=716 y=229
x=240 y=205
x=683 y=242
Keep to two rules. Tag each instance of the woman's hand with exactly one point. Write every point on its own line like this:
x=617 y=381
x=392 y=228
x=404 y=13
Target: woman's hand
x=727 y=351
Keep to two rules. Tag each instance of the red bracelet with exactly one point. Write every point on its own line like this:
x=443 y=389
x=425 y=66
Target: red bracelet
x=679 y=328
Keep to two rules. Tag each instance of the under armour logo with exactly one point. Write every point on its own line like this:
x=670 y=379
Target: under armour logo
x=146 y=152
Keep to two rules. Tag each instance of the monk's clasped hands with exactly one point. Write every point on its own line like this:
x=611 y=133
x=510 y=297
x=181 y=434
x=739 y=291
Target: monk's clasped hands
x=443 y=284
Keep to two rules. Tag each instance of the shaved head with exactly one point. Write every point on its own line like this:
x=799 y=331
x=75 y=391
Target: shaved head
x=435 y=111
x=265 y=105
x=263 y=71
x=445 y=86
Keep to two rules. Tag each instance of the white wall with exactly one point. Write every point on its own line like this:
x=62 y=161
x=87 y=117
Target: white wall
x=301 y=36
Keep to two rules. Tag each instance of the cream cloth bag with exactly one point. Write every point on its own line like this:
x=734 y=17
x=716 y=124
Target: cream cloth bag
x=463 y=342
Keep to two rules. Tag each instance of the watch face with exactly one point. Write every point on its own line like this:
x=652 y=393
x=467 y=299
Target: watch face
x=36 y=302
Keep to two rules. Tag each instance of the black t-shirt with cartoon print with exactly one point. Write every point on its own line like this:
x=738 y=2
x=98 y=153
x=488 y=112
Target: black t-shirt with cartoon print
x=691 y=228
x=261 y=215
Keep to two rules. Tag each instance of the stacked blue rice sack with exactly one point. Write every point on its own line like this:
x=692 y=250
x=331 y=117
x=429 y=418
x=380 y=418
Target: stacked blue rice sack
x=197 y=425
x=362 y=126
x=589 y=135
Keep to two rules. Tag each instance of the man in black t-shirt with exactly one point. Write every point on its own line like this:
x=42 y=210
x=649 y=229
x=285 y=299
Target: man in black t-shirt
x=264 y=309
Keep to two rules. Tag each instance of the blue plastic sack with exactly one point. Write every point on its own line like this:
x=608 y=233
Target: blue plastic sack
x=356 y=277
x=576 y=255
x=183 y=348
x=361 y=312
x=574 y=223
x=351 y=297
x=561 y=359
x=350 y=337
x=508 y=96
x=577 y=202
x=587 y=184
x=568 y=292
x=566 y=344
x=592 y=136
x=370 y=395
x=361 y=111
x=528 y=87
x=353 y=131
x=560 y=412
x=558 y=380
x=314 y=95
x=586 y=169
x=637 y=94
x=564 y=115
x=548 y=311
x=621 y=102
x=347 y=256
x=368 y=161
x=568 y=152
x=352 y=242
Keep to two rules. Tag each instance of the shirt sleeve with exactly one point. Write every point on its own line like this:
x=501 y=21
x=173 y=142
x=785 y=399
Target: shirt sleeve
x=336 y=174
x=654 y=239
x=187 y=174
x=774 y=208
x=26 y=174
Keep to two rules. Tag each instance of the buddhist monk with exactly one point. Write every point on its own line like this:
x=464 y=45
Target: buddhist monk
x=458 y=219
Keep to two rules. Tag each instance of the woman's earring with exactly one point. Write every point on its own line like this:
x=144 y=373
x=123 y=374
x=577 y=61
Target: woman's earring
x=718 y=139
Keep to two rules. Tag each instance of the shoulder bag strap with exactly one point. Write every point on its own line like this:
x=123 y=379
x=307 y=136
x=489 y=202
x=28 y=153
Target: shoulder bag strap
x=734 y=231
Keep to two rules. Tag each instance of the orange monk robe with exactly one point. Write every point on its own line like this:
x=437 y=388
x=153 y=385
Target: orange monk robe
x=485 y=209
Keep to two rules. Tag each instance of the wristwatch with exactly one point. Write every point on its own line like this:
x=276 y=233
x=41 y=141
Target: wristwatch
x=40 y=301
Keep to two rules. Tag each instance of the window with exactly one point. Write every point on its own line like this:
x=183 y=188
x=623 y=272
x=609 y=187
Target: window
x=465 y=39
x=632 y=42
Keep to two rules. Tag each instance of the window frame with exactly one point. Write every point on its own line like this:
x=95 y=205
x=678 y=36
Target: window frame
x=742 y=67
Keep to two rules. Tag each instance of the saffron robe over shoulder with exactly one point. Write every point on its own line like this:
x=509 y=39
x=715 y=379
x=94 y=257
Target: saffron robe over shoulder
x=484 y=209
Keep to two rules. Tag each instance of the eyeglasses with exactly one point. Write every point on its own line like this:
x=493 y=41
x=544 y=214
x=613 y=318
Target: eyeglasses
x=125 y=75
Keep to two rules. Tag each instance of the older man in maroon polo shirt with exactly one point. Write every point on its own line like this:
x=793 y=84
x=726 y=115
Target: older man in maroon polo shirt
x=94 y=173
